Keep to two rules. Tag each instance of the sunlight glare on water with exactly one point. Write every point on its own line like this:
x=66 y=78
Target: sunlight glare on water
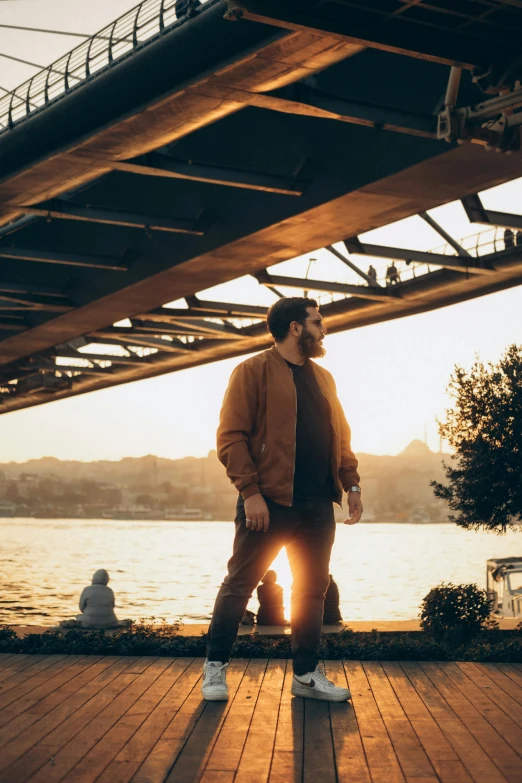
x=173 y=569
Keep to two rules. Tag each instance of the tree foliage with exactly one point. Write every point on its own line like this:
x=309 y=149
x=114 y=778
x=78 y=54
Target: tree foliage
x=484 y=428
x=450 y=609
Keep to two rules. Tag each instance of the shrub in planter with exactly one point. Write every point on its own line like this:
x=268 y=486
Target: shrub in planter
x=454 y=611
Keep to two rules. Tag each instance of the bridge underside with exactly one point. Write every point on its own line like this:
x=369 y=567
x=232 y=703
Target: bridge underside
x=218 y=150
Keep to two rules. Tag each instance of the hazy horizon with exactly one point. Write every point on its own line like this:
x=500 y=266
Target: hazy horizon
x=195 y=456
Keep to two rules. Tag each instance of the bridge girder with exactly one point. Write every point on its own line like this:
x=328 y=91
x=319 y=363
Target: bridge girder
x=180 y=168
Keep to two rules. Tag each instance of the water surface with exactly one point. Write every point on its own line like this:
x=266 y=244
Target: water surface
x=173 y=569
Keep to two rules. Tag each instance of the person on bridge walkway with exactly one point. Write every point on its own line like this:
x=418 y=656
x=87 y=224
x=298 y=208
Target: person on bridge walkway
x=285 y=443
x=270 y=597
x=509 y=239
x=392 y=275
x=371 y=274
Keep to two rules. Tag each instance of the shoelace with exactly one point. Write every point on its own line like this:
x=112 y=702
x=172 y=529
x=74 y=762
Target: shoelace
x=320 y=675
x=215 y=676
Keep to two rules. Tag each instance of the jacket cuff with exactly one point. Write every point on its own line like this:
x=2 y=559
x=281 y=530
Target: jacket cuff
x=249 y=490
x=353 y=480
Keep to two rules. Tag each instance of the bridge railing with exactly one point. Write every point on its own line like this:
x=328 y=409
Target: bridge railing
x=138 y=27
x=481 y=243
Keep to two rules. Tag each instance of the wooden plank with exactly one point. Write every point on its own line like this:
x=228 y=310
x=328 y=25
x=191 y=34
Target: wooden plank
x=350 y=759
x=93 y=764
x=409 y=751
x=188 y=708
x=287 y=758
x=135 y=751
x=380 y=755
x=499 y=751
x=97 y=695
x=32 y=685
x=40 y=664
x=45 y=738
x=19 y=663
x=318 y=752
x=487 y=707
x=492 y=690
x=476 y=761
x=212 y=776
x=33 y=724
x=504 y=682
x=135 y=680
x=12 y=717
x=193 y=758
x=254 y=766
x=510 y=671
x=5 y=656
x=227 y=751
x=445 y=761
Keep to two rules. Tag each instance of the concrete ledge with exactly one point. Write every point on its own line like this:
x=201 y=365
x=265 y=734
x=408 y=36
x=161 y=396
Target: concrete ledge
x=196 y=629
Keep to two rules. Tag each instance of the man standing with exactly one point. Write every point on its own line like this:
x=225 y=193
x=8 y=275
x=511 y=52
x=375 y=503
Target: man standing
x=285 y=443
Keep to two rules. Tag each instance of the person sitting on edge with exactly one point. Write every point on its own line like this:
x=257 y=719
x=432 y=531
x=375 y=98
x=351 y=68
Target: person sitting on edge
x=97 y=605
x=270 y=596
x=332 y=613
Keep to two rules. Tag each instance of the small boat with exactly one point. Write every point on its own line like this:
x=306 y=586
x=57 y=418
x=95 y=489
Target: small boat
x=504 y=586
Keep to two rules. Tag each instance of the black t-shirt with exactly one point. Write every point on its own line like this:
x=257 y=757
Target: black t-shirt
x=313 y=466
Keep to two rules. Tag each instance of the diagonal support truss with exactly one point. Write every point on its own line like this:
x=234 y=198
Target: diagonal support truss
x=157 y=164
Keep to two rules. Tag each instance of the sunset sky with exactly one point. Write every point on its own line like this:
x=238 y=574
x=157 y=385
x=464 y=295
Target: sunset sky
x=391 y=377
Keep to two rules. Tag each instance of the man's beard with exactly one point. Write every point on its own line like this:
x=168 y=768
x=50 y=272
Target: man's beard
x=309 y=346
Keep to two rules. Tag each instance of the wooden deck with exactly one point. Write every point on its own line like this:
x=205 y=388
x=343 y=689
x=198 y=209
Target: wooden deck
x=82 y=719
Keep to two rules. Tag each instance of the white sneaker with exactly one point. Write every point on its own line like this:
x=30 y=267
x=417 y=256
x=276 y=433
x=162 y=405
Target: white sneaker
x=316 y=685
x=214 y=687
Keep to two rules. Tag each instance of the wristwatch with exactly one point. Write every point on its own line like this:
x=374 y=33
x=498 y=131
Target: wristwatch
x=355 y=488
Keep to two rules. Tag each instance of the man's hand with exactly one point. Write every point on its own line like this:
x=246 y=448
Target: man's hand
x=355 y=508
x=257 y=514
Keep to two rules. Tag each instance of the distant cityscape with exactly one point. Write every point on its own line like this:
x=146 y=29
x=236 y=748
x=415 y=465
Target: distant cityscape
x=395 y=489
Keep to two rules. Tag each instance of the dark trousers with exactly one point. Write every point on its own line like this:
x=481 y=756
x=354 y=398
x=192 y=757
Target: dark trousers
x=307 y=530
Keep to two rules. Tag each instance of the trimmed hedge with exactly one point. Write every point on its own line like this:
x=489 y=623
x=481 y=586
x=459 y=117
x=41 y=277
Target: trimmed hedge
x=142 y=639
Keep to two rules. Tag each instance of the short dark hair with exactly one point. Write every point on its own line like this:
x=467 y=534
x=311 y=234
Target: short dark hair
x=286 y=310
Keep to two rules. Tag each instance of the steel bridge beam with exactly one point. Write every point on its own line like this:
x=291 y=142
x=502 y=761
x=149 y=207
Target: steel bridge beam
x=403 y=37
x=156 y=164
x=307 y=101
x=215 y=309
x=162 y=316
x=198 y=329
x=420 y=256
x=477 y=213
x=32 y=302
x=444 y=234
x=65 y=259
x=98 y=357
x=116 y=336
x=350 y=264
x=31 y=288
x=361 y=291
x=65 y=210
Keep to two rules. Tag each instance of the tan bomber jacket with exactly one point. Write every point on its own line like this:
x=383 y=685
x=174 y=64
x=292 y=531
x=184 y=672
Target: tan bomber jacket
x=256 y=433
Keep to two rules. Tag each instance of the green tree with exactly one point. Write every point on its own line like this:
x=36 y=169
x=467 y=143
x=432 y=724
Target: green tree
x=484 y=428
